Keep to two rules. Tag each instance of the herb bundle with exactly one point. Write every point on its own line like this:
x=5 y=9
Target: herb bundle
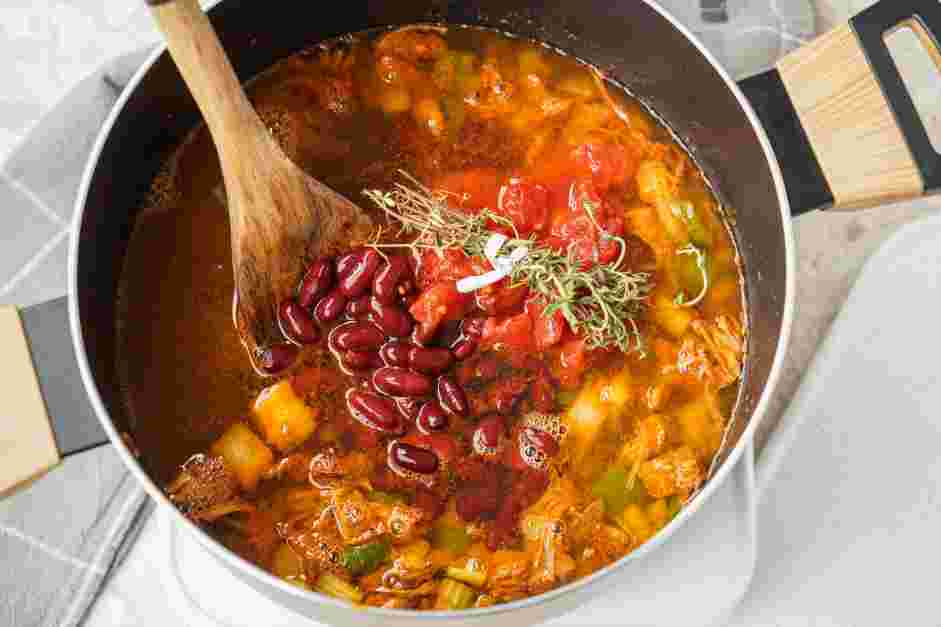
x=600 y=302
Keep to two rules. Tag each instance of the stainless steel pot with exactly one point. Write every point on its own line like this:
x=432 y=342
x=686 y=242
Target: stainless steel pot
x=831 y=126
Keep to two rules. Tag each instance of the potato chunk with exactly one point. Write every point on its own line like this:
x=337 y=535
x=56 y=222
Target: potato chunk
x=244 y=453
x=283 y=417
x=675 y=472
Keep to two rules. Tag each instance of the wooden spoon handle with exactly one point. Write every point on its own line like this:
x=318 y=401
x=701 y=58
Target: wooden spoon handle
x=195 y=47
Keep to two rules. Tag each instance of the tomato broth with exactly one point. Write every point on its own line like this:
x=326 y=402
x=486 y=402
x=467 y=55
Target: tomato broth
x=434 y=435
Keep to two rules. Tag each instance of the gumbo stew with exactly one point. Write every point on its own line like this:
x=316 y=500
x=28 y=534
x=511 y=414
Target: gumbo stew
x=519 y=379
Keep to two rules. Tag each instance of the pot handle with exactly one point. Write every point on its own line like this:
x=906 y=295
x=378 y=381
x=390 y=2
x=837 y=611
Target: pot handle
x=46 y=415
x=840 y=119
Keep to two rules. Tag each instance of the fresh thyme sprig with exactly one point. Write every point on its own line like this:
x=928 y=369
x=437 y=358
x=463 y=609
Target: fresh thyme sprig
x=600 y=302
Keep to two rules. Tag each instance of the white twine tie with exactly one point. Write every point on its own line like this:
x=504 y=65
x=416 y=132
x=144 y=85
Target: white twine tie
x=502 y=264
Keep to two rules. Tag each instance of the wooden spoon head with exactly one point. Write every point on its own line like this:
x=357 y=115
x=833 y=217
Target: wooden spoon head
x=277 y=230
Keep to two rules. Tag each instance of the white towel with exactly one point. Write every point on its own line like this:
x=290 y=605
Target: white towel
x=61 y=537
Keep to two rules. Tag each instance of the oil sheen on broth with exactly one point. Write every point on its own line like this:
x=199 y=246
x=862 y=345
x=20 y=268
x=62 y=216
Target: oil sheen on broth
x=563 y=456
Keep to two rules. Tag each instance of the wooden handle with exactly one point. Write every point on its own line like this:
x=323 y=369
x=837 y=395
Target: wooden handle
x=27 y=446
x=237 y=131
x=859 y=119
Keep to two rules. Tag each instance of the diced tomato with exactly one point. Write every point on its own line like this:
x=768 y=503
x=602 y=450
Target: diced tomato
x=514 y=331
x=450 y=265
x=577 y=226
x=572 y=361
x=439 y=303
x=473 y=189
x=525 y=203
x=502 y=298
x=607 y=164
x=547 y=330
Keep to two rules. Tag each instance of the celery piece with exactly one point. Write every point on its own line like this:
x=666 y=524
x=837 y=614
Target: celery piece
x=333 y=586
x=474 y=572
x=450 y=538
x=611 y=488
x=454 y=595
x=365 y=557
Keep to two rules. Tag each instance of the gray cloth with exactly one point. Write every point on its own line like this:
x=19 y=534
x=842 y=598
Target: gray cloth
x=62 y=536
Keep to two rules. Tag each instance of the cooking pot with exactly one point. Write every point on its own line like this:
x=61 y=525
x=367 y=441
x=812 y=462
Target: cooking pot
x=831 y=126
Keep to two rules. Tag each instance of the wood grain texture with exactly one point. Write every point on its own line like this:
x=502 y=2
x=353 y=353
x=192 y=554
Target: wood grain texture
x=851 y=127
x=279 y=216
x=27 y=446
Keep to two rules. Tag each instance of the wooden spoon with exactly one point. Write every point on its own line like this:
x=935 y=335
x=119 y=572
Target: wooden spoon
x=279 y=216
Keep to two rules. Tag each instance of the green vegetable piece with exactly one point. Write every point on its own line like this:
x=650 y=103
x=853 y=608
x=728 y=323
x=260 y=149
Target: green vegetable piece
x=333 y=586
x=365 y=557
x=473 y=573
x=454 y=595
x=387 y=498
x=698 y=232
x=612 y=488
x=450 y=538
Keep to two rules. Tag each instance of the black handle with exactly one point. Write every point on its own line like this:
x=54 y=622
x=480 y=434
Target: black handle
x=871 y=26
x=806 y=186
x=73 y=421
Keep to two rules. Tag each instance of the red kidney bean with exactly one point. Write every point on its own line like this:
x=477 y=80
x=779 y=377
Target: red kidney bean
x=451 y=396
x=390 y=318
x=488 y=436
x=317 y=280
x=374 y=411
x=387 y=279
x=356 y=336
x=473 y=328
x=359 y=278
x=463 y=348
x=412 y=458
x=277 y=357
x=408 y=407
x=358 y=307
x=346 y=262
x=431 y=418
x=330 y=307
x=396 y=381
x=429 y=360
x=542 y=440
x=361 y=360
x=396 y=353
x=296 y=323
